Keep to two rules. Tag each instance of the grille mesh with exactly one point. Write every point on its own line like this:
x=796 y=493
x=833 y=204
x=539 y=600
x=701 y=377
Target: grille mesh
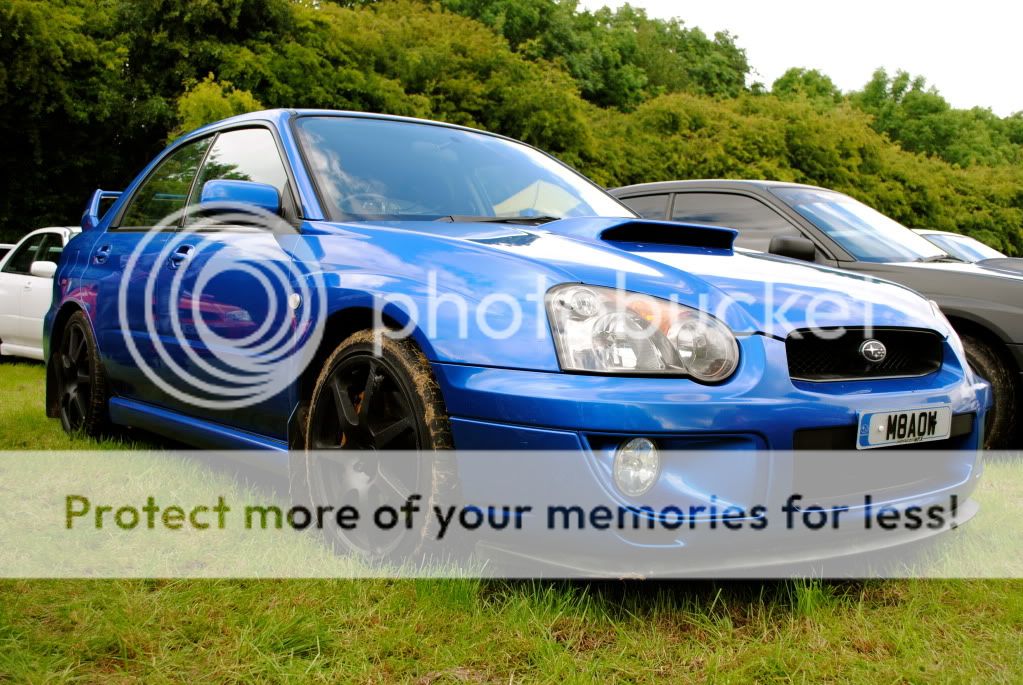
x=910 y=353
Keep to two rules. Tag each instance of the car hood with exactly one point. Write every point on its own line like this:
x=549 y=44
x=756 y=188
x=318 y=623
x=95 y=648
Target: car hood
x=776 y=295
x=751 y=292
x=782 y=295
x=950 y=279
x=1011 y=265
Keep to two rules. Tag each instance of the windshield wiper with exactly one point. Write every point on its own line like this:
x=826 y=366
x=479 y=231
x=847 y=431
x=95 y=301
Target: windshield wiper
x=939 y=258
x=535 y=220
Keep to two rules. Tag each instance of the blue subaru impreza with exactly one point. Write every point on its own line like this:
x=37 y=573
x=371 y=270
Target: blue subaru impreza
x=322 y=279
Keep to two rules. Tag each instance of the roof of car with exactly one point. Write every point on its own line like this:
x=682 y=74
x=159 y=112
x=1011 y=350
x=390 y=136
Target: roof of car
x=707 y=183
x=280 y=115
x=934 y=231
x=55 y=228
x=72 y=229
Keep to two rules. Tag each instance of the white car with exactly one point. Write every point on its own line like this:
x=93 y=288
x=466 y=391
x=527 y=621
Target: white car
x=26 y=289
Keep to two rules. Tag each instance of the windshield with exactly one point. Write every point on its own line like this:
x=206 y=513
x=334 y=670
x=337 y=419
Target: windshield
x=964 y=247
x=378 y=169
x=865 y=233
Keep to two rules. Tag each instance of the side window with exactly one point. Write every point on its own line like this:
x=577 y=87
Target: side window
x=756 y=222
x=165 y=191
x=53 y=245
x=248 y=154
x=648 y=206
x=21 y=261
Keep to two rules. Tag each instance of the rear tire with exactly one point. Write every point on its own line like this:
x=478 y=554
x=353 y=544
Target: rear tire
x=81 y=380
x=362 y=404
x=1001 y=425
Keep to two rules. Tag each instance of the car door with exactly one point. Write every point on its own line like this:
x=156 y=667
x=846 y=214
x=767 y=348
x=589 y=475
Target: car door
x=15 y=280
x=653 y=206
x=230 y=285
x=37 y=295
x=123 y=264
x=757 y=223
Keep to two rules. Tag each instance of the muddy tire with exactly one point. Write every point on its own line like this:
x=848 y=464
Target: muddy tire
x=81 y=381
x=362 y=405
x=1001 y=425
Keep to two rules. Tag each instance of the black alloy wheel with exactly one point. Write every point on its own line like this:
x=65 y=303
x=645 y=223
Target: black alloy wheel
x=364 y=409
x=81 y=383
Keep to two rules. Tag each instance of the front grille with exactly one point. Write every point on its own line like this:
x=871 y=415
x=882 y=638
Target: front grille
x=827 y=356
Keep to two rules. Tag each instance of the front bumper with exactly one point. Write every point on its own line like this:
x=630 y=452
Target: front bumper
x=731 y=443
x=760 y=407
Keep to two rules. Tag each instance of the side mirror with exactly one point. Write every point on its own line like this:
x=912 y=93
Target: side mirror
x=238 y=196
x=43 y=269
x=794 y=246
x=91 y=216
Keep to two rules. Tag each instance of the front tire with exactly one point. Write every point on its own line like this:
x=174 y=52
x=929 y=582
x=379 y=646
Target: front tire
x=1001 y=425
x=81 y=380
x=361 y=405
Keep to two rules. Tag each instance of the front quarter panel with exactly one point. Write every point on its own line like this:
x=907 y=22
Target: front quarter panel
x=993 y=301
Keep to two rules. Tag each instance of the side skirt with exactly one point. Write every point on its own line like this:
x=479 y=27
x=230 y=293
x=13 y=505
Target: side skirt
x=188 y=429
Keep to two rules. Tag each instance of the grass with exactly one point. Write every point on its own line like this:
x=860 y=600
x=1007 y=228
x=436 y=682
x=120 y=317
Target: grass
x=468 y=631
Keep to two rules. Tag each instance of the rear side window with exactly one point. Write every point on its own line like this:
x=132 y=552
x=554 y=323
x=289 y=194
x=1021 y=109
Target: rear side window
x=165 y=191
x=244 y=155
x=648 y=206
x=756 y=222
x=49 y=251
x=21 y=261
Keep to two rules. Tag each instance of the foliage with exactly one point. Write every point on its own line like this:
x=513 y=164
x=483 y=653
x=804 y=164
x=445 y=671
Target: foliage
x=619 y=58
x=807 y=83
x=921 y=120
x=90 y=91
x=210 y=100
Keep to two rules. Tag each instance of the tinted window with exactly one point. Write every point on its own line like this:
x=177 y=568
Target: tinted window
x=963 y=247
x=756 y=222
x=21 y=261
x=380 y=169
x=865 y=233
x=246 y=155
x=53 y=245
x=649 y=206
x=165 y=191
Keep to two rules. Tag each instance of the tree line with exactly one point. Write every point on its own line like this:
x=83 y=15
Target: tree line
x=90 y=90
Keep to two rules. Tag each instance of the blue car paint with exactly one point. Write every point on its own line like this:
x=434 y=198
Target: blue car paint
x=261 y=195
x=510 y=394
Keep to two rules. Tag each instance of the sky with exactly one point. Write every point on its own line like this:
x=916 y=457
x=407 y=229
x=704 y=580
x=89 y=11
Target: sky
x=970 y=50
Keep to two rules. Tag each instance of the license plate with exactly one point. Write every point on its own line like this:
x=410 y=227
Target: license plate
x=878 y=429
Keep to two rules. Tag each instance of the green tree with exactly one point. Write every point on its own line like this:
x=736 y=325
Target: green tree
x=807 y=83
x=209 y=101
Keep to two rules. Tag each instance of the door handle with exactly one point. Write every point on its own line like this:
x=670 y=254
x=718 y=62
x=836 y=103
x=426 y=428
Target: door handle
x=179 y=256
x=101 y=254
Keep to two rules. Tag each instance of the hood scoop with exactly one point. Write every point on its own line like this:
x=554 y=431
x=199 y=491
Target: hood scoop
x=646 y=232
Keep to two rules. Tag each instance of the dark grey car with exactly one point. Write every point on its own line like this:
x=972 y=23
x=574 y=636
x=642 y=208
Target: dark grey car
x=815 y=224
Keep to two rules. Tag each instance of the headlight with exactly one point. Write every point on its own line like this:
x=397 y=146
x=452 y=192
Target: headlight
x=602 y=330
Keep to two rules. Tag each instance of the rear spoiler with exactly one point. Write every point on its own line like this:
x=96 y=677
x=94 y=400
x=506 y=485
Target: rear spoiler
x=624 y=230
x=91 y=216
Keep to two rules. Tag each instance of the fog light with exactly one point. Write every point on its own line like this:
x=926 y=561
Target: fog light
x=636 y=467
